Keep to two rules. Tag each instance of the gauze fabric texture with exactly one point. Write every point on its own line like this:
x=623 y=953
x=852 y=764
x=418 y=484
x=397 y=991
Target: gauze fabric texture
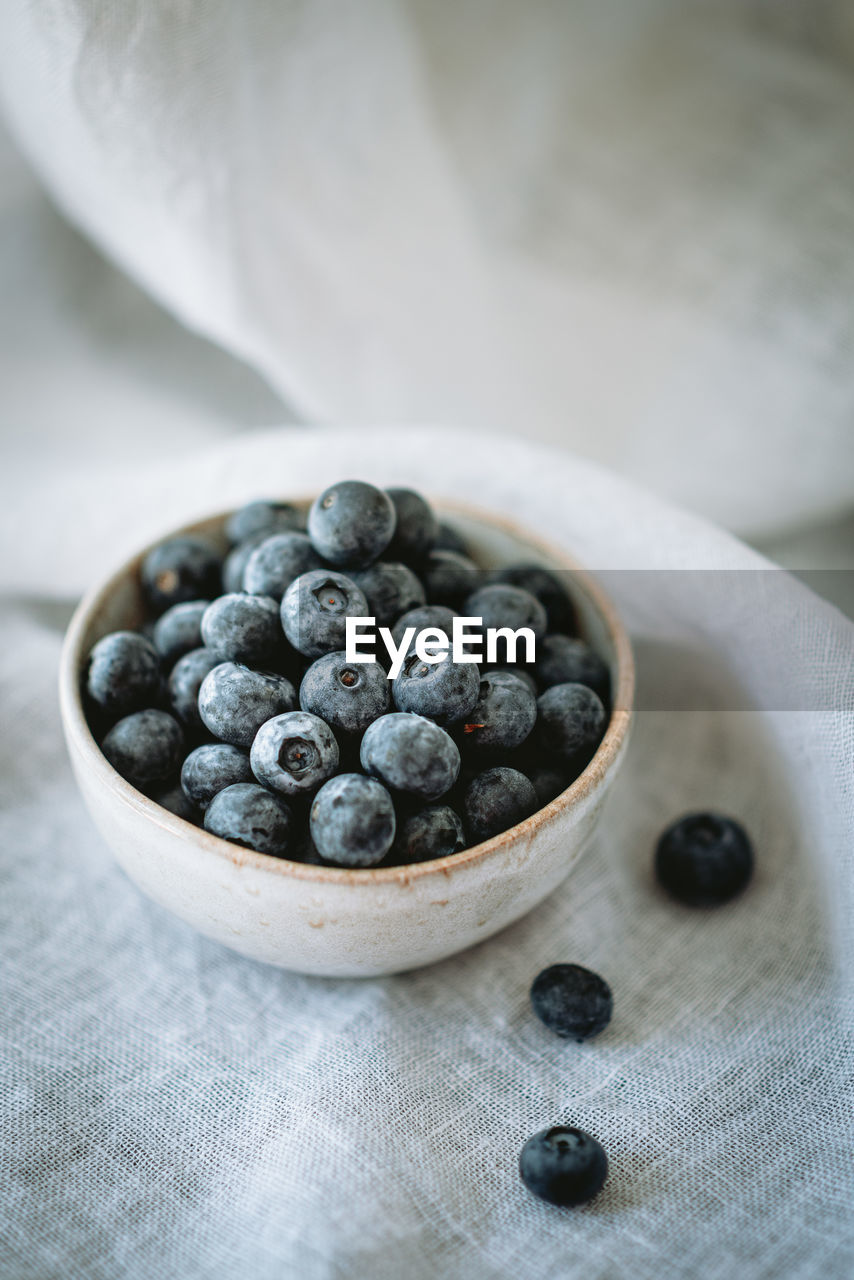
x=624 y=228
x=171 y=1109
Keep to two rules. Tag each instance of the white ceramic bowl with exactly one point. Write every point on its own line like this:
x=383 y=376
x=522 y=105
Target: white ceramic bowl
x=325 y=920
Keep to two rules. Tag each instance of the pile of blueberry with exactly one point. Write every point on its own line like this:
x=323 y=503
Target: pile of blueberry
x=235 y=705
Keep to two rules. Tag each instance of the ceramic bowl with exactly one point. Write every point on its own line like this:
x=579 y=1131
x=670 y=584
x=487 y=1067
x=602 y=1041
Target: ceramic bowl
x=325 y=920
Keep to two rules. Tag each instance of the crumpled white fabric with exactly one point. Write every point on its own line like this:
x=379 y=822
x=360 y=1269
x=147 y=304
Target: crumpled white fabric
x=621 y=228
x=171 y=1109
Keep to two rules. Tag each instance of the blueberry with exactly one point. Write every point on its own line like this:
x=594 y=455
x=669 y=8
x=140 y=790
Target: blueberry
x=416 y=528
x=502 y=605
x=348 y=696
x=446 y=691
x=564 y=1166
x=548 y=782
x=390 y=590
x=496 y=800
x=436 y=616
x=570 y=720
x=276 y=562
x=242 y=628
x=251 y=816
x=174 y=799
x=504 y=714
x=185 y=680
x=182 y=568
x=178 y=630
x=704 y=859
x=565 y=660
x=449 y=577
x=123 y=673
x=234 y=565
x=234 y=701
x=548 y=587
x=315 y=609
x=351 y=524
x=449 y=539
x=145 y=747
x=210 y=769
x=352 y=821
x=294 y=753
x=410 y=753
x=572 y=1001
x=433 y=832
x=262 y=518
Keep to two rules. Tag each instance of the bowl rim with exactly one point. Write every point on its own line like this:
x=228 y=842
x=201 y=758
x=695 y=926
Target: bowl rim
x=80 y=735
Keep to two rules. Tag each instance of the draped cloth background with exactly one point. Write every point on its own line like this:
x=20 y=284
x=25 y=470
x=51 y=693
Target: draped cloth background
x=383 y=244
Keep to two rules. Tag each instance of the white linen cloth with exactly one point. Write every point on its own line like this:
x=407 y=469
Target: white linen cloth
x=623 y=228
x=171 y=1109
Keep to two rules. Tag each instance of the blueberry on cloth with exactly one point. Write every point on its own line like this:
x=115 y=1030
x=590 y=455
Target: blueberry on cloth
x=123 y=673
x=178 y=630
x=435 y=831
x=315 y=609
x=276 y=562
x=564 y=1166
x=210 y=769
x=251 y=816
x=243 y=628
x=390 y=589
x=352 y=821
x=348 y=696
x=446 y=691
x=262 y=518
x=179 y=569
x=351 y=524
x=416 y=527
x=185 y=680
x=570 y=719
x=572 y=1001
x=449 y=577
x=704 y=859
x=549 y=589
x=496 y=800
x=145 y=747
x=234 y=701
x=410 y=753
x=565 y=660
x=294 y=753
x=504 y=714
x=436 y=616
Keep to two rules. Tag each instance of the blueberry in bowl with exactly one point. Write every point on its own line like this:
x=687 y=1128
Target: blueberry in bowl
x=334 y=812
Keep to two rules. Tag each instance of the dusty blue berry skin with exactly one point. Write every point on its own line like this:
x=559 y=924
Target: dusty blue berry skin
x=390 y=589
x=210 y=769
x=704 y=859
x=173 y=799
x=179 y=630
x=437 y=616
x=503 y=716
x=566 y=660
x=145 y=747
x=435 y=831
x=123 y=673
x=234 y=564
x=351 y=524
x=502 y=605
x=315 y=609
x=446 y=691
x=185 y=680
x=410 y=753
x=450 y=539
x=243 y=628
x=563 y=1165
x=261 y=519
x=294 y=753
x=179 y=569
x=496 y=800
x=234 y=701
x=548 y=782
x=570 y=720
x=416 y=528
x=276 y=562
x=449 y=577
x=253 y=817
x=352 y=821
x=348 y=696
x=547 y=586
x=572 y=1001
